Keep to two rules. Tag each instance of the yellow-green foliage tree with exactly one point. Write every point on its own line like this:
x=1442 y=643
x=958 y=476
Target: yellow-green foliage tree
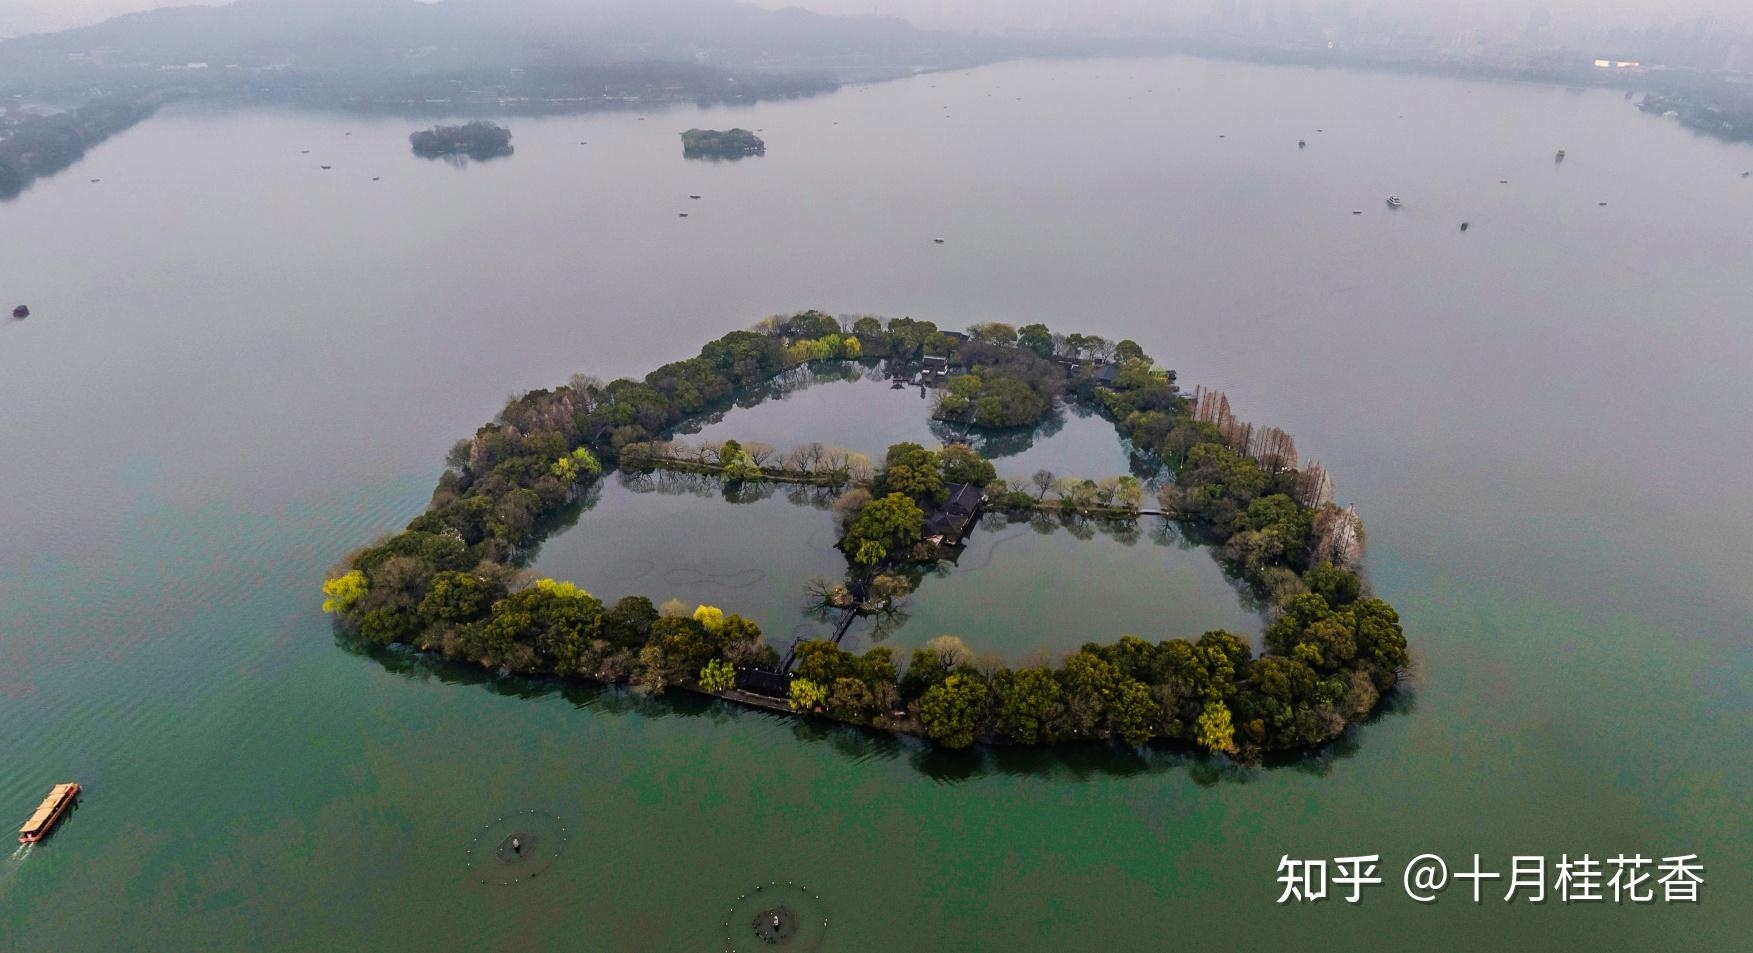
x=343 y=591
x=1215 y=730
x=807 y=695
x=740 y=465
x=717 y=676
x=826 y=348
x=712 y=617
x=578 y=465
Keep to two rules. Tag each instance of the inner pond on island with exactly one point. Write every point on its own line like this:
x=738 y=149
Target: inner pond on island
x=1017 y=590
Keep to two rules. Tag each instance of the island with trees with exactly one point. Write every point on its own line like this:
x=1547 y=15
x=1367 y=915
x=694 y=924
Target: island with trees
x=721 y=144
x=451 y=583
x=477 y=140
x=38 y=146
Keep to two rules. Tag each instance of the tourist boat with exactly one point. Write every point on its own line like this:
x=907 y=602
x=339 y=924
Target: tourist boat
x=1464 y=225
x=1559 y=157
x=60 y=798
x=1302 y=143
x=1393 y=201
x=327 y=167
x=21 y=311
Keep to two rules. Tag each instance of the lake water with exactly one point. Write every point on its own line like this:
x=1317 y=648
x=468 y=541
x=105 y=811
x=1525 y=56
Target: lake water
x=240 y=366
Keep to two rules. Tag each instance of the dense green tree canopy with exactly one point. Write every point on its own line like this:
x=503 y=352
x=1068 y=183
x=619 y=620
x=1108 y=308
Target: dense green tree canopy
x=885 y=527
x=951 y=710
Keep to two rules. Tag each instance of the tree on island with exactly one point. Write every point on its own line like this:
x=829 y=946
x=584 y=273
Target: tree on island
x=721 y=144
x=953 y=709
x=476 y=140
x=883 y=528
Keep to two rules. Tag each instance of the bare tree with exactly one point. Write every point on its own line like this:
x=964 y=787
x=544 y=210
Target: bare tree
x=1274 y=448
x=1313 y=486
x=1341 y=536
x=849 y=503
x=759 y=452
x=1043 y=481
x=859 y=468
x=834 y=459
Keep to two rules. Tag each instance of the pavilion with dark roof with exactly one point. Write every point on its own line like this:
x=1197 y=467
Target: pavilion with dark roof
x=949 y=524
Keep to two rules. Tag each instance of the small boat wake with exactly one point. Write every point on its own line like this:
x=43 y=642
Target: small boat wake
x=14 y=863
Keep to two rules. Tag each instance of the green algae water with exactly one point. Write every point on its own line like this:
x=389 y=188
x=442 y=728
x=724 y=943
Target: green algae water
x=239 y=367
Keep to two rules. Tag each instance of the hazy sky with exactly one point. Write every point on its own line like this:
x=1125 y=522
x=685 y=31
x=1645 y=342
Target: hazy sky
x=1119 y=15
x=1108 y=17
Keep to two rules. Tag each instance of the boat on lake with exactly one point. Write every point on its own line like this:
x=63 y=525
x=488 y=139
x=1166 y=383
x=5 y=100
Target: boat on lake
x=21 y=311
x=48 y=813
x=1559 y=157
x=1394 y=201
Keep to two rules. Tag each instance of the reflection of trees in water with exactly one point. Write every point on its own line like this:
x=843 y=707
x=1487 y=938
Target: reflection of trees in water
x=889 y=620
x=996 y=444
x=709 y=486
x=797 y=379
x=559 y=521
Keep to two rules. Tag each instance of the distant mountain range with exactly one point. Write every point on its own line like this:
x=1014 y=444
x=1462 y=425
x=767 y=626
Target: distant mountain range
x=399 y=39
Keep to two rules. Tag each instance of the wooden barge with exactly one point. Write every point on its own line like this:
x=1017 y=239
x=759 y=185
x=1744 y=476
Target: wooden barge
x=53 y=808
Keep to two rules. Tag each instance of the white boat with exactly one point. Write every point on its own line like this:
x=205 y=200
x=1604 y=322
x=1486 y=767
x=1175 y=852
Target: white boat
x=1394 y=201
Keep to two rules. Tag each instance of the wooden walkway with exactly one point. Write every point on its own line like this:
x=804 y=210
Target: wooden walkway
x=847 y=617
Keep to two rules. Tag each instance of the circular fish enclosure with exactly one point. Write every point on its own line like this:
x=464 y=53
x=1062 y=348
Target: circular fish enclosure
x=787 y=916
x=518 y=847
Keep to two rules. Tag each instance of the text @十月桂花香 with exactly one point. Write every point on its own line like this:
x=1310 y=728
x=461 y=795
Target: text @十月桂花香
x=1530 y=878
